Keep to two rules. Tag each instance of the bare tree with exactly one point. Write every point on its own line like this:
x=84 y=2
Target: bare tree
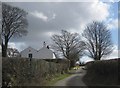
x=98 y=40
x=69 y=45
x=14 y=23
x=13 y=52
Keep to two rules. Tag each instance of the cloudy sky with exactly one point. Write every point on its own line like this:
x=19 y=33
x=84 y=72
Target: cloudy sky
x=48 y=18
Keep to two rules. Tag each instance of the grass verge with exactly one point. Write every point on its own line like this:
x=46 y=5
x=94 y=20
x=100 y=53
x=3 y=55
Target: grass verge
x=56 y=78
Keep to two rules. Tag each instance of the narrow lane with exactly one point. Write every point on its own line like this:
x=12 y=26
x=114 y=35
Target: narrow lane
x=73 y=80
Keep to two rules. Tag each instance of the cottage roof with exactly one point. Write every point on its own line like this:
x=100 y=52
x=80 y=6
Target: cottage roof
x=29 y=48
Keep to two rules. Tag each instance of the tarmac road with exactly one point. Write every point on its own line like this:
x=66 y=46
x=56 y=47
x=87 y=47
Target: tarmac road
x=74 y=80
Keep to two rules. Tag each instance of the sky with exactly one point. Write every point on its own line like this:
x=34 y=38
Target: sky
x=48 y=18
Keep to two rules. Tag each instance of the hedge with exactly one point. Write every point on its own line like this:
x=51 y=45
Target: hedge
x=103 y=72
x=23 y=72
x=103 y=67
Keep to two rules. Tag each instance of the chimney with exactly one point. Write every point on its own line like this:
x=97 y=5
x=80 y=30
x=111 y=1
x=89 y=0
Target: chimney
x=48 y=47
x=44 y=44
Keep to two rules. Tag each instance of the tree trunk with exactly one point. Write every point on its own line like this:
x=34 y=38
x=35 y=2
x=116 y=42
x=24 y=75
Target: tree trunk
x=4 y=49
x=72 y=63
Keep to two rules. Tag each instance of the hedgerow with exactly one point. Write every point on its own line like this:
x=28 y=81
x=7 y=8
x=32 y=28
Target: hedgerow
x=23 y=72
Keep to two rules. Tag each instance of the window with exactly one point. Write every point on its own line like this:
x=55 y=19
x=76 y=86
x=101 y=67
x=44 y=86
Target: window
x=30 y=55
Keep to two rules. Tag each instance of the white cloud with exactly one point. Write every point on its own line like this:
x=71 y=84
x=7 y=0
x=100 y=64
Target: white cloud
x=113 y=24
x=40 y=15
x=112 y=1
x=49 y=34
x=54 y=16
x=11 y=45
x=114 y=54
x=19 y=45
x=92 y=11
x=99 y=11
x=85 y=59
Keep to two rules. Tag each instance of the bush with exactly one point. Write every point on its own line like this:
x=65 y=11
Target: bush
x=23 y=72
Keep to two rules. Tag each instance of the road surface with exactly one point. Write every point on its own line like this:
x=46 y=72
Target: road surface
x=74 y=80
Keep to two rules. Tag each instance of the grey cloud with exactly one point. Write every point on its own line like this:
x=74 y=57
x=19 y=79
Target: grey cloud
x=68 y=16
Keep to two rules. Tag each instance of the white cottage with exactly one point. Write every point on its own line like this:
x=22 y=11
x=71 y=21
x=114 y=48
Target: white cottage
x=43 y=53
x=29 y=53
